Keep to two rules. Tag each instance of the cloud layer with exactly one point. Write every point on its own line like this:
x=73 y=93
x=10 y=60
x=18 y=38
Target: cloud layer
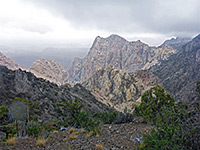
x=81 y=20
x=179 y=17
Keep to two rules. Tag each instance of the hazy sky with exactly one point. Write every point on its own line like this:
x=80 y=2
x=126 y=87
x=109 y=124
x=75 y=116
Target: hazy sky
x=60 y=22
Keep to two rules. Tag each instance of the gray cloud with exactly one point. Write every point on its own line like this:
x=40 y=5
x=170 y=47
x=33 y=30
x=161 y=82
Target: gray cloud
x=171 y=17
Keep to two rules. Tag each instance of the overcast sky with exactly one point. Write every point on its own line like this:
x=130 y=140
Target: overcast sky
x=78 y=22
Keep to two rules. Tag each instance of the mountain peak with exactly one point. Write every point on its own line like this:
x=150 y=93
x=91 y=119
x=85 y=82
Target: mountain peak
x=5 y=61
x=114 y=37
x=197 y=38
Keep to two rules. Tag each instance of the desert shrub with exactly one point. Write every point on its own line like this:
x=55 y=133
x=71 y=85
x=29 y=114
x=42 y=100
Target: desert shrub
x=99 y=147
x=33 y=129
x=10 y=130
x=41 y=141
x=175 y=126
x=3 y=114
x=84 y=119
x=106 y=117
x=11 y=141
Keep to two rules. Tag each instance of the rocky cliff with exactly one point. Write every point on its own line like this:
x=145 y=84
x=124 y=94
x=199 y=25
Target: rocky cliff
x=119 y=53
x=118 y=88
x=179 y=73
x=5 y=61
x=49 y=70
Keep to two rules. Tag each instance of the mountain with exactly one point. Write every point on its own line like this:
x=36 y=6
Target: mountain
x=177 y=43
x=42 y=94
x=5 y=61
x=118 y=52
x=49 y=70
x=118 y=88
x=178 y=74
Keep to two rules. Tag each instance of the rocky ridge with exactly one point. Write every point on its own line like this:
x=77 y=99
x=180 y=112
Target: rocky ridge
x=177 y=43
x=5 y=61
x=179 y=74
x=49 y=70
x=119 y=53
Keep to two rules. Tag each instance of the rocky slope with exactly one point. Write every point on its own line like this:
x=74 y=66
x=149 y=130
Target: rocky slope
x=117 y=52
x=178 y=74
x=49 y=70
x=5 y=61
x=25 y=85
x=177 y=43
x=118 y=88
x=116 y=136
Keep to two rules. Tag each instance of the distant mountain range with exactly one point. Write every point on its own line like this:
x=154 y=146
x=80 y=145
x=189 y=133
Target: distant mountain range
x=117 y=72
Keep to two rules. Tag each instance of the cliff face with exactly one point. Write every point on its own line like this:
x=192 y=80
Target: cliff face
x=118 y=88
x=45 y=94
x=49 y=70
x=119 y=53
x=5 y=61
x=179 y=73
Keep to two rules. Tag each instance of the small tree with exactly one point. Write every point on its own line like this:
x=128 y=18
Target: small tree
x=3 y=114
x=19 y=112
x=175 y=126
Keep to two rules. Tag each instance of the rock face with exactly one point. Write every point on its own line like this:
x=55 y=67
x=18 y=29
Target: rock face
x=118 y=88
x=5 y=61
x=25 y=85
x=49 y=70
x=178 y=74
x=177 y=43
x=119 y=53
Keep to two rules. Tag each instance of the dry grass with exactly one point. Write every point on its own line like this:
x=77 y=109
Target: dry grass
x=83 y=130
x=55 y=131
x=41 y=142
x=11 y=141
x=72 y=136
x=91 y=133
x=76 y=133
x=71 y=130
x=65 y=139
x=97 y=136
x=99 y=147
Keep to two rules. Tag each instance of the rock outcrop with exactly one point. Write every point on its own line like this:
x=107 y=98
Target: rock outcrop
x=119 y=53
x=49 y=70
x=5 y=61
x=179 y=74
x=118 y=88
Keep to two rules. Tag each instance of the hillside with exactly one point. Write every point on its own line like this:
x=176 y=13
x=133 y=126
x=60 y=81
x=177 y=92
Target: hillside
x=118 y=88
x=25 y=85
x=179 y=74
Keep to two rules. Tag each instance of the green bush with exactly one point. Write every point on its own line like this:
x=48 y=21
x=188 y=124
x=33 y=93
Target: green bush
x=175 y=126
x=3 y=115
x=33 y=129
x=106 y=117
